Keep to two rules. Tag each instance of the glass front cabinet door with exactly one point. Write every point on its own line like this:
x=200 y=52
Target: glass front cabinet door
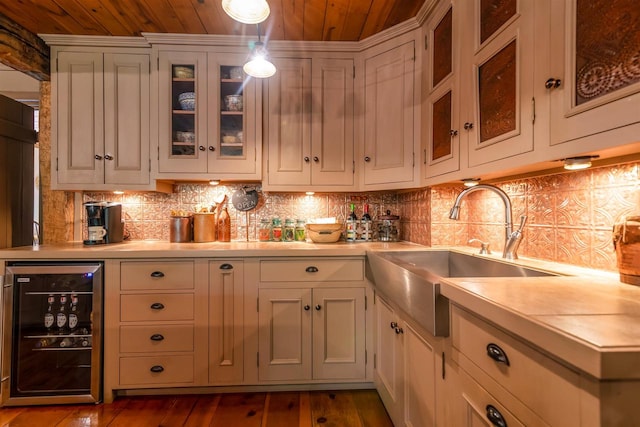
x=207 y=117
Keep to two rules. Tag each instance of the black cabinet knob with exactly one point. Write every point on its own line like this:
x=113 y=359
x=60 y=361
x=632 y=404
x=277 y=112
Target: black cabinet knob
x=307 y=307
x=108 y=157
x=318 y=307
x=306 y=159
x=367 y=159
x=201 y=148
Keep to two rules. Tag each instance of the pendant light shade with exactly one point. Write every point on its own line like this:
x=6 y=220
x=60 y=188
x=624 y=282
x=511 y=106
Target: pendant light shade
x=247 y=11
x=259 y=64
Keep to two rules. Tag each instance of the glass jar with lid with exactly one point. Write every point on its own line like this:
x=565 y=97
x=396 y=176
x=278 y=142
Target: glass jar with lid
x=276 y=229
x=289 y=230
x=300 y=231
x=264 y=230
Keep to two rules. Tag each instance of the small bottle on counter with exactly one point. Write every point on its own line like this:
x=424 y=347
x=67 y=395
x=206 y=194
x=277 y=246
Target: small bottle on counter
x=276 y=229
x=224 y=226
x=289 y=230
x=352 y=225
x=365 y=230
x=300 y=231
x=264 y=231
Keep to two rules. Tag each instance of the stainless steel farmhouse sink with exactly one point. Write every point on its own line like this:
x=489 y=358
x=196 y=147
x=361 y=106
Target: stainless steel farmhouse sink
x=412 y=280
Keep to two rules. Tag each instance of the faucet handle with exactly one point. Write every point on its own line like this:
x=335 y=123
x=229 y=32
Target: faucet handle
x=523 y=220
x=484 y=246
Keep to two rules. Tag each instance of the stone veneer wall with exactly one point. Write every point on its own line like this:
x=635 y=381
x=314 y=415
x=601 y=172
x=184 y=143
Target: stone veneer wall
x=570 y=215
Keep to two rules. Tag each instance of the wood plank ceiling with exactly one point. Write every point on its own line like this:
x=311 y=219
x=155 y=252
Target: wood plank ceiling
x=309 y=20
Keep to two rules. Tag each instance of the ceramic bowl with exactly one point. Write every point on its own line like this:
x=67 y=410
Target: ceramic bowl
x=182 y=72
x=187 y=100
x=233 y=102
x=182 y=136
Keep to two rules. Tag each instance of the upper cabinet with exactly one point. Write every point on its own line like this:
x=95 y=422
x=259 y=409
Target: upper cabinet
x=391 y=115
x=594 y=83
x=497 y=77
x=100 y=123
x=310 y=125
x=207 y=117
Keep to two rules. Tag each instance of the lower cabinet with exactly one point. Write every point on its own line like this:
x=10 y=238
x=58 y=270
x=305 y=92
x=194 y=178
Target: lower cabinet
x=312 y=333
x=408 y=369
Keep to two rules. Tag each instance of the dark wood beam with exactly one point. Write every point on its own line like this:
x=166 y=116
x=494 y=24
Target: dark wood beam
x=23 y=51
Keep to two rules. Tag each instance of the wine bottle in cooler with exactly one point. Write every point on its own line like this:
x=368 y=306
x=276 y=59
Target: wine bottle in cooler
x=352 y=225
x=49 y=318
x=365 y=230
x=61 y=316
x=73 y=313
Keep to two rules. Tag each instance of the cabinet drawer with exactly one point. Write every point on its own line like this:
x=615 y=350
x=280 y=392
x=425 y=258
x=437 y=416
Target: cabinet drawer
x=153 y=307
x=160 y=338
x=317 y=270
x=157 y=275
x=541 y=383
x=156 y=370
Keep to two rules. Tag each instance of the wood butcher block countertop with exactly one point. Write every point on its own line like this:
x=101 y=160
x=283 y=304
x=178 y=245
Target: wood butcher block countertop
x=585 y=318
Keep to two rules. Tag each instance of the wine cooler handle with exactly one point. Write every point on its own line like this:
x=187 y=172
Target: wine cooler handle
x=156 y=368
x=157 y=274
x=157 y=306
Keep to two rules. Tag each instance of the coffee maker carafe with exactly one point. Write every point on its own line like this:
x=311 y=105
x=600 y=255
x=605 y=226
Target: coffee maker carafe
x=104 y=223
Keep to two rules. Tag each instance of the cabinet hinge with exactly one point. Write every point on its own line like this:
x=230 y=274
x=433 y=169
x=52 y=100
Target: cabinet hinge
x=158 y=152
x=365 y=303
x=414 y=54
x=158 y=63
x=354 y=71
x=365 y=357
x=56 y=164
x=258 y=359
x=353 y=167
x=149 y=164
x=533 y=110
x=258 y=304
x=375 y=361
x=426 y=42
x=413 y=159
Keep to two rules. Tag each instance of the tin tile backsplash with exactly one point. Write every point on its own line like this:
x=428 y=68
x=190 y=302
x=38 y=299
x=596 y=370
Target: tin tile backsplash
x=570 y=215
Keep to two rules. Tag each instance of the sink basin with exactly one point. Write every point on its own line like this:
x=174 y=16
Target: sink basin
x=412 y=280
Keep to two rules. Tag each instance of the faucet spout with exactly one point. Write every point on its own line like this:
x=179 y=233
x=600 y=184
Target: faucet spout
x=511 y=239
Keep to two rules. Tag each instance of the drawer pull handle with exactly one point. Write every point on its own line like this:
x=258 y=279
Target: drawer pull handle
x=226 y=267
x=307 y=307
x=156 y=337
x=311 y=269
x=393 y=325
x=495 y=417
x=157 y=306
x=156 y=368
x=157 y=274
x=497 y=354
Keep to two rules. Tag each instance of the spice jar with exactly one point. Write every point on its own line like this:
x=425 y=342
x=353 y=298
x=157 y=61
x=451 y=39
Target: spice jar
x=289 y=230
x=264 y=231
x=299 y=231
x=276 y=229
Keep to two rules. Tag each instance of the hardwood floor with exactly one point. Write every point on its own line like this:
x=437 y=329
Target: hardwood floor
x=357 y=408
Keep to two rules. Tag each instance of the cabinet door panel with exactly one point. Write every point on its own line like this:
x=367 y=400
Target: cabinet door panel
x=419 y=374
x=285 y=334
x=388 y=370
x=126 y=116
x=338 y=334
x=289 y=123
x=389 y=131
x=226 y=340
x=332 y=136
x=80 y=125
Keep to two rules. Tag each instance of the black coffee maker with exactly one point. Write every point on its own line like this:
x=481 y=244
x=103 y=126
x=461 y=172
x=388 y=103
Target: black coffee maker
x=104 y=223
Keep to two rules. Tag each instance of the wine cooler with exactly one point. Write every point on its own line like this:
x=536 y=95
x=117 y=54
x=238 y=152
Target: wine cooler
x=52 y=333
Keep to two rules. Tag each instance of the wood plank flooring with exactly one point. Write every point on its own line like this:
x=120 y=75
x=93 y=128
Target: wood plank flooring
x=345 y=408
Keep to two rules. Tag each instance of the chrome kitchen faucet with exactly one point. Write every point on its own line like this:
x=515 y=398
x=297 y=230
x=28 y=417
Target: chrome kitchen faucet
x=512 y=238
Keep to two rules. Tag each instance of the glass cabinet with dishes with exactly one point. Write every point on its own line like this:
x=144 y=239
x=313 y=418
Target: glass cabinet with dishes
x=207 y=115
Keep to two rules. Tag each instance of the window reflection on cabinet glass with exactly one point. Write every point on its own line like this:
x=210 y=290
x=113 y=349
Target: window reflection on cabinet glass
x=607 y=47
x=498 y=93
x=232 y=109
x=183 y=117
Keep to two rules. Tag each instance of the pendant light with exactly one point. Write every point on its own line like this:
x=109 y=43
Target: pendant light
x=259 y=64
x=247 y=11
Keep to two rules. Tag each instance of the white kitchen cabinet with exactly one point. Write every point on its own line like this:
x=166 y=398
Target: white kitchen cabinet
x=100 y=126
x=496 y=80
x=310 y=125
x=406 y=369
x=216 y=137
x=594 y=82
x=441 y=153
x=155 y=325
x=391 y=116
x=312 y=320
x=523 y=386
x=226 y=321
